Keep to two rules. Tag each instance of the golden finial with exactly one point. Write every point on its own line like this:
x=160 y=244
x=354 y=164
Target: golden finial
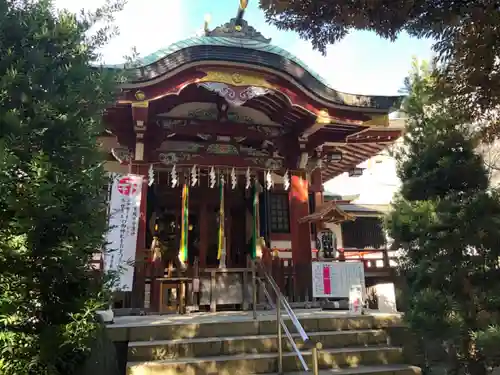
x=207 y=20
x=239 y=15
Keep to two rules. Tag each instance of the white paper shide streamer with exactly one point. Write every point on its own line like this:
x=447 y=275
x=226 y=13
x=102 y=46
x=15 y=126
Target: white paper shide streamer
x=151 y=175
x=269 y=180
x=194 y=176
x=174 y=178
x=248 y=179
x=234 y=179
x=213 y=177
x=286 y=181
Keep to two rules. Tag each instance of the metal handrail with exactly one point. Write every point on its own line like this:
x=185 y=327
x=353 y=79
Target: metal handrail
x=287 y=306
x=281 y=326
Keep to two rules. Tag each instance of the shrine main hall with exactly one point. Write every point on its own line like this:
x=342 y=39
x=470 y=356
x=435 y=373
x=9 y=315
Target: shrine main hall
x=252 y=132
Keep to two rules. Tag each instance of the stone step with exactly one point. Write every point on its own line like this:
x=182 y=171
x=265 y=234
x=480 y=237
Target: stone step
x=267 y=362
x=213 y=346
x=244 y=327
x=366 y=370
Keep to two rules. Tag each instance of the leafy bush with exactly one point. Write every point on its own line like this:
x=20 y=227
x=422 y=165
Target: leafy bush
x=52 y=207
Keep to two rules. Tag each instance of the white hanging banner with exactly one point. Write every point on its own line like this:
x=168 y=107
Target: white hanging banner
x=124 y=213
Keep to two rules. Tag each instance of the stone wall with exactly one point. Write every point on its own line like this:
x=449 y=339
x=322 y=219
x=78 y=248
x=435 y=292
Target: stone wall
x=103 y=358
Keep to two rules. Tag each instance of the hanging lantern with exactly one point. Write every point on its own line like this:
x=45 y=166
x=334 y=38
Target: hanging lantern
x=333 y=157
x=326 y=241
x=286 y=181
x=356 y=172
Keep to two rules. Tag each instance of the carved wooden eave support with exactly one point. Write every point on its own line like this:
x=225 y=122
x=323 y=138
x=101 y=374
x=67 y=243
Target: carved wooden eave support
x=121 y=154
x=222 y=108
x=318 y=159
x=304 y=156
x=322 y=119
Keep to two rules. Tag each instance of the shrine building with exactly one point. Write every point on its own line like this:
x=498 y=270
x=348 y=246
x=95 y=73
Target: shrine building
x=228 y=114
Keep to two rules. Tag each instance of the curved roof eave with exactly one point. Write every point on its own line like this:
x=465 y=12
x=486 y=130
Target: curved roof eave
x=230 y=48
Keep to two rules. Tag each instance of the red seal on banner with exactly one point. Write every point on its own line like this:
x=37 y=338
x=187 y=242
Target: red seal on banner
x=127 y=186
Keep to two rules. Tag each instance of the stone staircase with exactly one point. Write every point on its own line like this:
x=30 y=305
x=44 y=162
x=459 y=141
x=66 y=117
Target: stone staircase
x=351 y=345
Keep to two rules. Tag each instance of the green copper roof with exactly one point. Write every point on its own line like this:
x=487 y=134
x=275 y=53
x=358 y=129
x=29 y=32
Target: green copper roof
x=246 y=45
x=224 y=42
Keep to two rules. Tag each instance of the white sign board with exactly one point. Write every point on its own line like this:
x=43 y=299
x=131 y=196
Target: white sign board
x=356 y=299
x=334 y=279
x=386 y=296
x=124 y=213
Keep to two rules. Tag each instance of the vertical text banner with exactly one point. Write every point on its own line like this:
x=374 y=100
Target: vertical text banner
x=124 y=213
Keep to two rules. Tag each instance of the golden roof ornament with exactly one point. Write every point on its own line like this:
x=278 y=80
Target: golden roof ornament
x=240 y=14
x=207 y=20
x=139 y=95
x=237 y=27
x=323 y=117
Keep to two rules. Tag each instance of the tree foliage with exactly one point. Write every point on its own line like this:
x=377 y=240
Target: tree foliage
x=466 y=36
x=52 y=213
x=446 y=221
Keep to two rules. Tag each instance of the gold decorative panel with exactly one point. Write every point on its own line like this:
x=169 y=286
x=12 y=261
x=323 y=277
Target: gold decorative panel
x=378 y=120
x=236 y=78
x=143 y=104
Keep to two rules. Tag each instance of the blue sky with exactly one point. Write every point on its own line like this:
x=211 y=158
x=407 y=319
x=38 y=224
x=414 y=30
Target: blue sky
x=362 y=63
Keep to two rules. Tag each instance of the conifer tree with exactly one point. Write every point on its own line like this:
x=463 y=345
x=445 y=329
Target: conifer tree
x=52 y=212
x=446 y=221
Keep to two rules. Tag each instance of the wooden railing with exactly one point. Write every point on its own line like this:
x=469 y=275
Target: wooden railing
x=377 y=262
x=373 y=259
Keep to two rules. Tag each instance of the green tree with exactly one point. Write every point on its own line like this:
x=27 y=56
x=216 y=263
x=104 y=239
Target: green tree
x=446 y=221
x=52 y=212
x=466 y=36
